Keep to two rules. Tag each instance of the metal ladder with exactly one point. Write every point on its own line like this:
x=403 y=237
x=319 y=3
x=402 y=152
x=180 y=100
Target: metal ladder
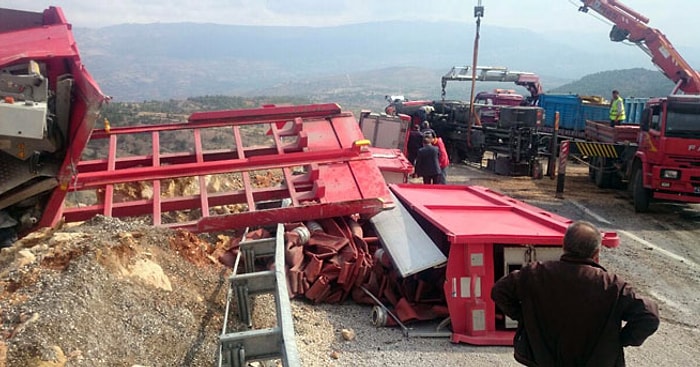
x=238 y=348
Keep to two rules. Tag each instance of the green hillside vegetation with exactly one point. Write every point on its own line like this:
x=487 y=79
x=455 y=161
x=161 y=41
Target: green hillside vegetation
x=120 y=114
x=636 y=82
x=160 y=112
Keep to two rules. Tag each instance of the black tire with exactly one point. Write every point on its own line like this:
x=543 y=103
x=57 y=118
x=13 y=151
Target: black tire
x=615 y=179
x=603 y=177
x=592 y=168
x=641 y=196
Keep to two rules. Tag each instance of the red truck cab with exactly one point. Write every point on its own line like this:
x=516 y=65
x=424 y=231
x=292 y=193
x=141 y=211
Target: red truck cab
x=667 y=163
x=489 y=103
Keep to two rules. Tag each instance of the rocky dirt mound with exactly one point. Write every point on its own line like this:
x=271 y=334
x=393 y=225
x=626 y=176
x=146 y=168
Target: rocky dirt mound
x=110 y=293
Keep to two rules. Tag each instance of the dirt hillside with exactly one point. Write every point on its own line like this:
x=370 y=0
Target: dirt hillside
x=110 y=293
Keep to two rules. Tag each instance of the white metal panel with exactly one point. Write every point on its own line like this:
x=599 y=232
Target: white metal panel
x=479 y=320
x=23 y=120
x=464 y=289
x=409 y=247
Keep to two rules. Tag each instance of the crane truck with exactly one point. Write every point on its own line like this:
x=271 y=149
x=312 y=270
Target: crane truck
x=659 y=159
x=505 y=123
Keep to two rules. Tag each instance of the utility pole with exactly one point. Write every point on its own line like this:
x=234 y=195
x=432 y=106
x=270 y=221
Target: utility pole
x=478 y=13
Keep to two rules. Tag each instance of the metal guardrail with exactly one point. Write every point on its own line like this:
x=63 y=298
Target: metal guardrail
x=238 y=348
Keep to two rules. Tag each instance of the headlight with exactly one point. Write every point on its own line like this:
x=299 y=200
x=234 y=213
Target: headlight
x=671 y=174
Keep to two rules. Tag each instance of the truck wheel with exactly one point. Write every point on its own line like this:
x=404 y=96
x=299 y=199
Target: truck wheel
x=640 y=195
x=592 y=168
x=615 y=180
x=602 y=176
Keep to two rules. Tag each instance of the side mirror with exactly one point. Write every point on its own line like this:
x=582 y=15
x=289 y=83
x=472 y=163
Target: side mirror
x=644 y=122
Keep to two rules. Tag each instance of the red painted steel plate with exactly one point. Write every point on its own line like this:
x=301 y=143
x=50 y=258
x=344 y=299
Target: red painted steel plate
x=391 y=160
x=468 y=213
x=47 y=39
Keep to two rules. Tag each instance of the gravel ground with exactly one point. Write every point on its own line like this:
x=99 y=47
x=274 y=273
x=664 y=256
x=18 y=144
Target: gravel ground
x=111 y=293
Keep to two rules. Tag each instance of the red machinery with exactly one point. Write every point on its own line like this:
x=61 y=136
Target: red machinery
x=665 y=161
x=486 y=100
x=48 y=107
x=487 y=235
x=631 y=26
x=317 y=161
x=529 y=81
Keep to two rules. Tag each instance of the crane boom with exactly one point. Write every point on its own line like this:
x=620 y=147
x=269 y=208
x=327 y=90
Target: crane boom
x=496 y=74
x=632 y=26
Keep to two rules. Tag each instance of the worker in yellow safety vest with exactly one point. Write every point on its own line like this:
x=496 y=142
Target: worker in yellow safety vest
x=617 y=109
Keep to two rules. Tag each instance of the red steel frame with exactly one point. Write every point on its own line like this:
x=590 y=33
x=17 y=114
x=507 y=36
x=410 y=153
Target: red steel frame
x=340 y=178
x=474 y=220
x=51 y=42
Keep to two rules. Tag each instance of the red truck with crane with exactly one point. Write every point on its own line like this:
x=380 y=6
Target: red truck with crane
x=660 y=157
x=505 y=123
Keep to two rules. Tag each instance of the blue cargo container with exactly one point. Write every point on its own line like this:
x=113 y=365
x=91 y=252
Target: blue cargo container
x=574 y=110
x=634 y=108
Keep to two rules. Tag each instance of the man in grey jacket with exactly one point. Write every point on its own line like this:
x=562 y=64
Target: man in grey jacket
x=570 y=312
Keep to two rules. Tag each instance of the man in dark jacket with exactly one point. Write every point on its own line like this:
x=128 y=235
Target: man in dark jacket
x=427 y=164
x=570 y=312
x=415 y=142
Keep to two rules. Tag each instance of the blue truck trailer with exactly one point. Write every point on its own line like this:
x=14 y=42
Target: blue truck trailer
x=574 y=110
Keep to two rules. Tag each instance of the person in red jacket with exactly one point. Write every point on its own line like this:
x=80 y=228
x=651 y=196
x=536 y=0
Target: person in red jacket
x=570 y=312
x=443 y=158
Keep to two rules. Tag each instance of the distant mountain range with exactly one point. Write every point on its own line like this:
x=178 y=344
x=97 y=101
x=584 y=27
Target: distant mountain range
x=352 y=64
x=637 y=82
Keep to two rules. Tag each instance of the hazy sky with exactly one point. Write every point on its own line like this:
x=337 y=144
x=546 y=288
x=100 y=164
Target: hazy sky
x=673 y=17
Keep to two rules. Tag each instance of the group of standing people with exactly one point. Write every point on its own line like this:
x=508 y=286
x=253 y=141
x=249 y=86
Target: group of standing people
x=426 y=151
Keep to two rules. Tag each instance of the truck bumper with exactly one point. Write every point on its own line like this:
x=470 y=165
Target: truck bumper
x=686 y=188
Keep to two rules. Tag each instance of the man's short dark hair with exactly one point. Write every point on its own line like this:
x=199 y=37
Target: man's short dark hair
x=615 y=91
x=582 y=239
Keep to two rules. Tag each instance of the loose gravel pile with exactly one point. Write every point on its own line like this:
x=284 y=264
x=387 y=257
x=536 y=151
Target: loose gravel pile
x=109 y=293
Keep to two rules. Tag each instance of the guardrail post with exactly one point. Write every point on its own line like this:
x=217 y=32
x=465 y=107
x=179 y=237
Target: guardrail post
x=563 y=157
x=551 y=169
